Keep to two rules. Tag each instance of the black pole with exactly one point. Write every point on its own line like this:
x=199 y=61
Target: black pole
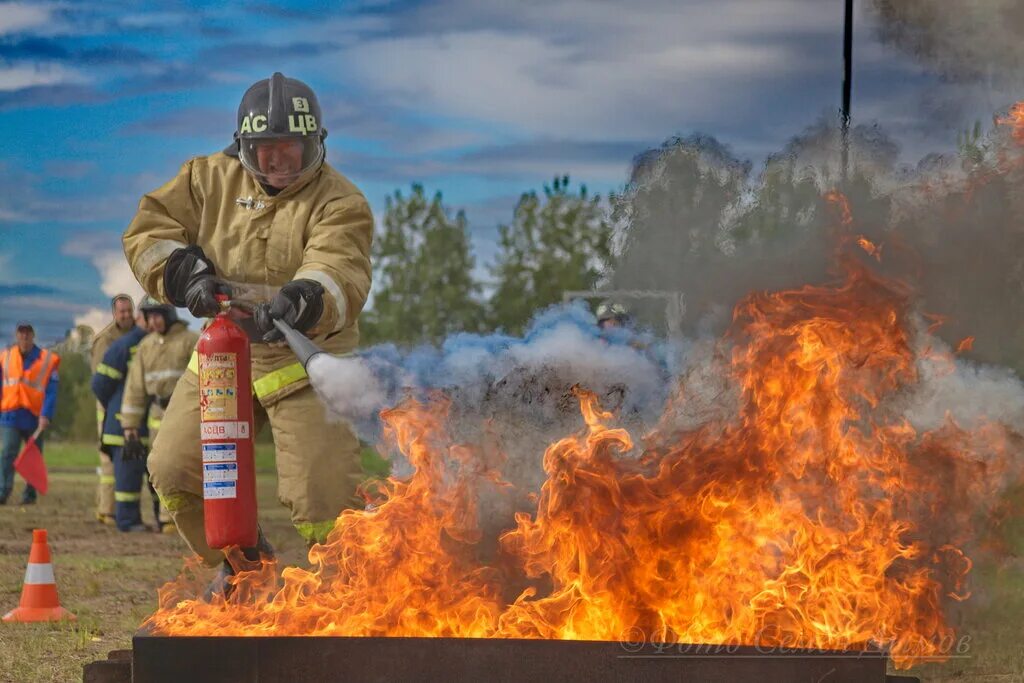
x=847 y=83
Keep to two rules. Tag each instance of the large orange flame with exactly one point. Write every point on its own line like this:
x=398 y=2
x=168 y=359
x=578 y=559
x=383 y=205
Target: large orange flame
x=814 y=517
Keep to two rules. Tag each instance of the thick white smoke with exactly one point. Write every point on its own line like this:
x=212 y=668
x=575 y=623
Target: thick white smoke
x=518 y=390
x=967 y=393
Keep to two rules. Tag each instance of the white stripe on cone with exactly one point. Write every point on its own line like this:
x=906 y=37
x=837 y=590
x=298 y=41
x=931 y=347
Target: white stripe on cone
x=36 y=574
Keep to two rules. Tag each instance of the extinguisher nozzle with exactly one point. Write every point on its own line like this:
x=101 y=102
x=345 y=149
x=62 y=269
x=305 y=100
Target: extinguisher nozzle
x=300 y=344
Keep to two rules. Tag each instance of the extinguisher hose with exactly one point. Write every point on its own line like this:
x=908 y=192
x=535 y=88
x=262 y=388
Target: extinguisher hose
x=300 y=344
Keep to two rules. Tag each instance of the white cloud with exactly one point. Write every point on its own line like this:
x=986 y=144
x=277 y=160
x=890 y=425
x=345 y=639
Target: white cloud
x=96 y=318
x=28 y=75
x=116 y=276
x=42 y=303
x=17 y=17
x=103 y=251
x=154 y=19
x=581 y=70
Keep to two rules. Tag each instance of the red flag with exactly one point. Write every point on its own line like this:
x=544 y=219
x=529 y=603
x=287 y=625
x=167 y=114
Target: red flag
x=30 y=465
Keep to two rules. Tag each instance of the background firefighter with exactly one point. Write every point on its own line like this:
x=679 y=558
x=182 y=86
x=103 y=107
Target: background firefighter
x=108 y=384
x=160 y=361
x=270 y=222
x=122 y=311
x=611 y=314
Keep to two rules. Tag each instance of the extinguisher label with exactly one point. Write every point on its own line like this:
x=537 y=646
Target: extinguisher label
x=218 y=386
x=225 y=430
x=220 y=471
x=219 y=489
x=220 y=452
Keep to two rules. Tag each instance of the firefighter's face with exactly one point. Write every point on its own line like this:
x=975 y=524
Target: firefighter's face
x=280 y=160
x=124 y=314
x=156 y=322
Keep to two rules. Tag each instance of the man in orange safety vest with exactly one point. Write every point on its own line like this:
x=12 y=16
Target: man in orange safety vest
x=27 y=402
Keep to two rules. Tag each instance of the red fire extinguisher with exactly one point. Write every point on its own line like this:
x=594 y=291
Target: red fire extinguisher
x=226 y=418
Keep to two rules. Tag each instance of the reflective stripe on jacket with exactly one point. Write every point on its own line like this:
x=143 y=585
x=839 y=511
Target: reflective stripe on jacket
x=270 y=383
x=25 y=388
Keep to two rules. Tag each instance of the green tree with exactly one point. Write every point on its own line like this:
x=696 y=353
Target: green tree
x=75 y=417
x=423 y=273
x=557 y=242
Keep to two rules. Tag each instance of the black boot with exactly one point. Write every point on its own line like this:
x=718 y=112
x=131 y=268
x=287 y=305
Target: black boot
x=240 y=560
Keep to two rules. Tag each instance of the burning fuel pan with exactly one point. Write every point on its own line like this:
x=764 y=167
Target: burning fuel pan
x=156 y=659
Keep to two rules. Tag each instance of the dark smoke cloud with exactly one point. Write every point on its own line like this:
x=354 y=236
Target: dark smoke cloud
x=960 y=40
x=693 y=219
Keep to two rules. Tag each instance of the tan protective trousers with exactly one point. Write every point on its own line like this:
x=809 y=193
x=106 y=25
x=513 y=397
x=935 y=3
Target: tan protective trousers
x=105 y=487
x=105 y=473
x=164 y=515
x=318 y=464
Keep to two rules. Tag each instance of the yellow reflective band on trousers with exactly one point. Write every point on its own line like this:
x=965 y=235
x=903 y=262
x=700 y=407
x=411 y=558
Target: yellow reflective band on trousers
x=176 y=502
x=112 y=373
x=107 y=479
x=153 y=423
x=126 y=497
x=314 y=532
x=268 y=383
x=279 y=379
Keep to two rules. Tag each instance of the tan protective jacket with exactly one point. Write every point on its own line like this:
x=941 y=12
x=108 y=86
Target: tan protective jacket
x=159 y=362
x=319 y=228
x=102 y=341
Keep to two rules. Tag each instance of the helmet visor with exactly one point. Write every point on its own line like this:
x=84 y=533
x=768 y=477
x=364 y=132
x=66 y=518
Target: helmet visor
x=278 y=162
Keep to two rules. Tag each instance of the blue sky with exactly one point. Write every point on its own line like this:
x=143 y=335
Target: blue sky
x=102 y=101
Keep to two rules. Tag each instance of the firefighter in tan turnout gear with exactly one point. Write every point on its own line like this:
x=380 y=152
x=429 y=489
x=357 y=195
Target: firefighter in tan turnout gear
x=267 y=221
x=122 y=310
x=159 y=363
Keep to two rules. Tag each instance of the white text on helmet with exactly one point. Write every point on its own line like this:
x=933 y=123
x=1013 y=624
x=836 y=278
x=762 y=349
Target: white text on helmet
x=253 y=124
x=305 y=123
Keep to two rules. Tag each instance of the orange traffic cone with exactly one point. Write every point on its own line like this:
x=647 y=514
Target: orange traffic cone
x=39 y=594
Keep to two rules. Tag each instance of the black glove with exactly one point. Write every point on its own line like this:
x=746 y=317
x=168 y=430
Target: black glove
x=201 y=296
x=133 y=449
x=300 y=303
x=190 y=281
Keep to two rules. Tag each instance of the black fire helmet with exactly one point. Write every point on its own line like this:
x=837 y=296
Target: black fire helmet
x=151 y=305
x=273 y=109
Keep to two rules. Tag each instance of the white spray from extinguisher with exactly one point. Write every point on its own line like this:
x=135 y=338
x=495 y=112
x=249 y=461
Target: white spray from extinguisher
x=325 y=370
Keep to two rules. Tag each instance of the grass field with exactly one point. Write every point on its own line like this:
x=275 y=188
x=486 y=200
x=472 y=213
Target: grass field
x=109 y=581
